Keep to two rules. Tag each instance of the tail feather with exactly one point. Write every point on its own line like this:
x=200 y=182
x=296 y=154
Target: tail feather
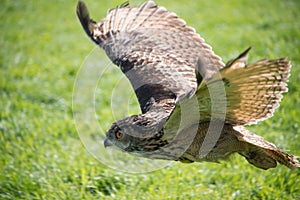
x=266 y=158
x=262 y=153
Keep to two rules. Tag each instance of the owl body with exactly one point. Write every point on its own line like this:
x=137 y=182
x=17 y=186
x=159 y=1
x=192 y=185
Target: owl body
x=193 y=106
x=258 y=152
x=200 y=149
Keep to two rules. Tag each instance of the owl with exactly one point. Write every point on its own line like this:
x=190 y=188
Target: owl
x=194 y=107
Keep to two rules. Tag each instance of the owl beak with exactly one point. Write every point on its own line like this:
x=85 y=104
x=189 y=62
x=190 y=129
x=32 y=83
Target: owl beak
x=107 y=143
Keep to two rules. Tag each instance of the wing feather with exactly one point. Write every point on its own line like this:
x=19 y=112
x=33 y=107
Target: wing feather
x=152 y=46
x=253 y=91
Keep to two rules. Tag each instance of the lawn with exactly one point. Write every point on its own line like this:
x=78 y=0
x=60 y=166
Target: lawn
x=41 y=154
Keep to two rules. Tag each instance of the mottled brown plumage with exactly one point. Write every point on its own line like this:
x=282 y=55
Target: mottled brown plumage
x=193 y=106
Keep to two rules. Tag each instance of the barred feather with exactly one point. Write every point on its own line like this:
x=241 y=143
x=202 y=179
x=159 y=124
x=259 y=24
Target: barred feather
x=252 y=91
x=152 y=46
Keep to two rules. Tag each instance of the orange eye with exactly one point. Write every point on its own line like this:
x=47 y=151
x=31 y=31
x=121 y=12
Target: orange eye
x=119 y=135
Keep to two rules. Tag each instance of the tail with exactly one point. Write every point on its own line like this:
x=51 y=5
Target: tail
x=252 y=91
x=262 y=153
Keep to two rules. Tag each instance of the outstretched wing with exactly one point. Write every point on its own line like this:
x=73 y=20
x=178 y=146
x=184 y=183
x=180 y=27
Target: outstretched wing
x=154 y=48
x=252 y=91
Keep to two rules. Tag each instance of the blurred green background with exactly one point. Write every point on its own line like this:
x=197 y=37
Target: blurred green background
x=41 y=155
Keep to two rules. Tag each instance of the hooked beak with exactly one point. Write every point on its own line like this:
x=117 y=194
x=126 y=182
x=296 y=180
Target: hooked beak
x=108 y=143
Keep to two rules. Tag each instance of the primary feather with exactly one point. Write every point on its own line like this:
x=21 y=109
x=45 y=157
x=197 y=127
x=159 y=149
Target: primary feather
x=253 y=91
x=148 y=43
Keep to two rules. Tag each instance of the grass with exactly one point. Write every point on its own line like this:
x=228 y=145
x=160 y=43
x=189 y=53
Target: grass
x=41 y=154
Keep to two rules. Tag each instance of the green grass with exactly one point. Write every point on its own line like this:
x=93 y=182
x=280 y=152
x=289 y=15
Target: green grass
x=41 y=155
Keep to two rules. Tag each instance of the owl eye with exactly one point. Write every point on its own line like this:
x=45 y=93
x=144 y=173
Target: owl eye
x=119 y=135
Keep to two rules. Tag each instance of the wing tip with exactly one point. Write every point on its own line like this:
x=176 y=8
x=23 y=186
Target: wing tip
x=84 y=17
x=240 y=61
x=123 y=5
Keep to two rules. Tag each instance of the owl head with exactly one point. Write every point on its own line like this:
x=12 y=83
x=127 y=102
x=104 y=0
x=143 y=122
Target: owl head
x=135 y=134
